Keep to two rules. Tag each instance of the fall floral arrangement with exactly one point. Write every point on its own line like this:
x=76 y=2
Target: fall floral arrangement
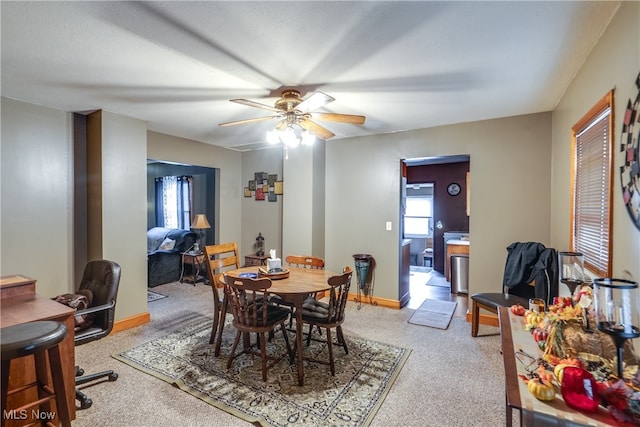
x=579 y=361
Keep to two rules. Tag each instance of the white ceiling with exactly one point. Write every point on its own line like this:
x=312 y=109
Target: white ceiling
x=404 y=65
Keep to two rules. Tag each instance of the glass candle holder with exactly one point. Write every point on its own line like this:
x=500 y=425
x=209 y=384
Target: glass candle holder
x=571 y=269
x=617 y=311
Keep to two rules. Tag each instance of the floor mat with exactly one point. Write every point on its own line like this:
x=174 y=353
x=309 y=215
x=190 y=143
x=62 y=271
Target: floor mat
x=434 y=313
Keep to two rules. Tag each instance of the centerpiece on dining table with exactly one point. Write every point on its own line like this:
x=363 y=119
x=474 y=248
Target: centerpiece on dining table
x=274 y=270
x=581 y=361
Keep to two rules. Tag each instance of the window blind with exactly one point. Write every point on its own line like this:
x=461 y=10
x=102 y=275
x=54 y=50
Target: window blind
x=592 y=191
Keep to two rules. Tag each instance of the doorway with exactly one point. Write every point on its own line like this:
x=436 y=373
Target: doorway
x=429 y=209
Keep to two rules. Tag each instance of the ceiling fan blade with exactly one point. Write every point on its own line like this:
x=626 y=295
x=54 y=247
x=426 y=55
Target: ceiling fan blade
x=344 y=118
x=282 y=124
x=255 y=105
x=240 y=122
x=314 y=101
x=316 y=129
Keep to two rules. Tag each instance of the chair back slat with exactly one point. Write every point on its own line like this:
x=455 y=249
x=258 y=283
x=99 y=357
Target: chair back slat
x=304 y=261
x=338 y=297
x=220 y=258
x=248 y=300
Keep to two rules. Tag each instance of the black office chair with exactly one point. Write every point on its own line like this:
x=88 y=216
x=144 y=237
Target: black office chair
x=100 y=280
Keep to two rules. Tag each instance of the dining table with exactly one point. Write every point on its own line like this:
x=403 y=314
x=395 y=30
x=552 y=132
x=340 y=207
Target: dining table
x=294 y=288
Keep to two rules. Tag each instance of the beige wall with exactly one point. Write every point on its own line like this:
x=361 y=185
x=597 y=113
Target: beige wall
x=261 y=216
x=37 y=195
x=510 y=170
x=124 y=207
x=613 y=63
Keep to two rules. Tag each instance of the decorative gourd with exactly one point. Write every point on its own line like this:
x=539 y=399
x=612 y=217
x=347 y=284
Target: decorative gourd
x=532 y=319
x=541 y=389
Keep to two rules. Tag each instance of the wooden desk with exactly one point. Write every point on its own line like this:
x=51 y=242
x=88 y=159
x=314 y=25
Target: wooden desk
x=301 y=283
x=20 y=304
x=532 y=411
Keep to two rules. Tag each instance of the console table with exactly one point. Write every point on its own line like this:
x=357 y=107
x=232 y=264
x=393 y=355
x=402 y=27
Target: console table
x=532 y=411
x=19 y=303
x=194 y=262
x=250 y=260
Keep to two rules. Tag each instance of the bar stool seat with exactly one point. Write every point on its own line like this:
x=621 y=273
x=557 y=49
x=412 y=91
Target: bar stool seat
x=491 y=302
x=38 y=339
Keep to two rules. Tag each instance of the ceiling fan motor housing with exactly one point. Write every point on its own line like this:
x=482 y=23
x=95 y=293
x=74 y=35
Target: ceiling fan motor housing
x=289 y=101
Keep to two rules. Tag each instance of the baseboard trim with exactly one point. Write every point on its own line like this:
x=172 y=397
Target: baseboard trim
x=485 y=319
x=382 y=302
x=131 y=322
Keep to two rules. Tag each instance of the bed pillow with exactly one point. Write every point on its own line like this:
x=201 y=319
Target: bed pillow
x=167 y=244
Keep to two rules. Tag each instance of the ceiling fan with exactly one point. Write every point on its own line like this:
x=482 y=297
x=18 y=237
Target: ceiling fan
x=291 y=109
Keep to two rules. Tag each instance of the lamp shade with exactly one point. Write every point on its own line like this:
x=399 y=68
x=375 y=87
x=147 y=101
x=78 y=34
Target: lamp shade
x=200 y=222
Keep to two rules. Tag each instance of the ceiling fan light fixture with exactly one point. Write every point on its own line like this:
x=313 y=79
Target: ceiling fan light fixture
x=273 y=136
x=307 y=138
x=289 y=137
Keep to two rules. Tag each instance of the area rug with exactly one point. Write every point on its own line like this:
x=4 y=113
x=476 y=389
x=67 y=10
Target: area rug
x=434 y=313
x=350 y=398
x=154 y=296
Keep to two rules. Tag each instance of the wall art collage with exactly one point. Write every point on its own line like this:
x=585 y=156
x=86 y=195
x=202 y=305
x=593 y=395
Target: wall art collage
x=264 y=186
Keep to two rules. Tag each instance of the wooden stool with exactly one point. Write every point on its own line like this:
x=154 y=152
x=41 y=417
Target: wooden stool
x=38 y=339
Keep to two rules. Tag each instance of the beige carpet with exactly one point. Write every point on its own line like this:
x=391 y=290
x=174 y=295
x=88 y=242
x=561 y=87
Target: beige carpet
x=363 y=377
x=450 y=379
x=434 y=313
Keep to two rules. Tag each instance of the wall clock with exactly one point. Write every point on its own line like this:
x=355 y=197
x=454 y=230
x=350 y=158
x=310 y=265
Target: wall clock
x=630 y=147
x=453 y=189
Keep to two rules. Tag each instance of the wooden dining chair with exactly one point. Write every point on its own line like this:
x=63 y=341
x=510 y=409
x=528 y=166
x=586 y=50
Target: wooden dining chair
x=299 y=261
x=219 y=258
x=248 y=299
x=327 y=315
x=304 y=261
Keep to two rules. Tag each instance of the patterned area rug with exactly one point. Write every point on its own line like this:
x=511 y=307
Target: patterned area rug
x=153 y=296
x=351 y=398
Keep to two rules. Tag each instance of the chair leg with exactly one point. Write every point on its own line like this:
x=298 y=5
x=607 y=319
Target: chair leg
x=263 y=356
x=41 y=378
x=222 y=318
x=5 y=387
x=286 y=340
x=330 y=347
x=475 y=318
x=214 y=327
x=55 y=363
x=233 y=349
x=309 y=335
x=341 y=340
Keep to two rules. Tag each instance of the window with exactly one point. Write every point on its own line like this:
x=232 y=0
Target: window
x=173 y=201
x=591 y=190
x=417 y=218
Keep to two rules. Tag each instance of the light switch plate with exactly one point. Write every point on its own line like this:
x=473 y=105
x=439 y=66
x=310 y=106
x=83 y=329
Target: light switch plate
x=388 y=225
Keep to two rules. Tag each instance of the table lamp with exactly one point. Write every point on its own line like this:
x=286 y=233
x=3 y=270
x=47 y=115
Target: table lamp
x=199 y=223
x=617 y=311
